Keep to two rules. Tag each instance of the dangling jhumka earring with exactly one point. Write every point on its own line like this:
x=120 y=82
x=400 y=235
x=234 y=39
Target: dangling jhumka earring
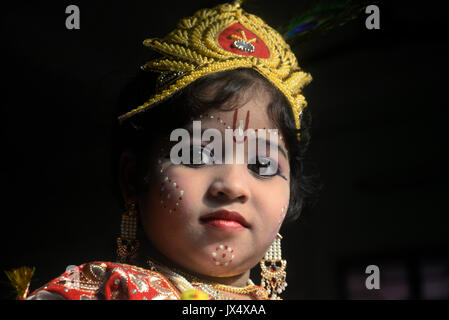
x=127 y=243
x=273 y=270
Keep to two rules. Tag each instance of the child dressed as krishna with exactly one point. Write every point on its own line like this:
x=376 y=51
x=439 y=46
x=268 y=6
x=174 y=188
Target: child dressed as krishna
x=209 y=148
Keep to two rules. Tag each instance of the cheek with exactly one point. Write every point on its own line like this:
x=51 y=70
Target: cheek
x=282 y=214
x=279 y=218
x=174 y=182
x=272 y=209
x=171 y=193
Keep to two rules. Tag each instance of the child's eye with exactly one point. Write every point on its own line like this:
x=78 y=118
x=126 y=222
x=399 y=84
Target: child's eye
x=200 y=156
x=265 y=167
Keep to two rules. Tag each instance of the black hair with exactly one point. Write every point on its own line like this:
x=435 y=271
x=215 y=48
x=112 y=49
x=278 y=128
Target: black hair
x=140 y=133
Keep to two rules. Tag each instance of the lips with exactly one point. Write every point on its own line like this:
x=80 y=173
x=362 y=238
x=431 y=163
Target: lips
x=225 y=219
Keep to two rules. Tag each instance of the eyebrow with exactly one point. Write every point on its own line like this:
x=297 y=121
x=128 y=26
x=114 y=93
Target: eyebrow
x=279 y=147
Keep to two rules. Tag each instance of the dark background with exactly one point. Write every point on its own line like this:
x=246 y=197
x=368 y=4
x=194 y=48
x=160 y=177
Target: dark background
x=378 y=100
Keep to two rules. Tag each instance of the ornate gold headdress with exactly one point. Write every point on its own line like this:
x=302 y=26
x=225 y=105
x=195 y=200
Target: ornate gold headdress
x=220 y=39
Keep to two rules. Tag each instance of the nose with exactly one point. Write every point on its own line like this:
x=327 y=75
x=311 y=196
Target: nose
x=229 y=184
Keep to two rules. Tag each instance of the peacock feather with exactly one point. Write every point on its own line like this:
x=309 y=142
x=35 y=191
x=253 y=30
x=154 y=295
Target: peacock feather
x=319 y=18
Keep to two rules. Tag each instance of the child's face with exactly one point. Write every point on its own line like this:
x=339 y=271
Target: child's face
x=173 y=211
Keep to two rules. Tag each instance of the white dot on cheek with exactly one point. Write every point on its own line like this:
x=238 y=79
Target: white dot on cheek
x=282 y=215
x=169 y=190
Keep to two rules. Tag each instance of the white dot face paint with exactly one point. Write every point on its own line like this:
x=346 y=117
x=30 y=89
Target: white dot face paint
x=223 y=255
x=282 y=213
x=223 y=123
x=170 y=192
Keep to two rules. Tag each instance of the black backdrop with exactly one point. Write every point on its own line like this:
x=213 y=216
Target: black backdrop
x=378 y=101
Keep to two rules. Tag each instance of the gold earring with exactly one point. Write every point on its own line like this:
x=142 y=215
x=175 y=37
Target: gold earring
x=273 y=270
x=127 y=243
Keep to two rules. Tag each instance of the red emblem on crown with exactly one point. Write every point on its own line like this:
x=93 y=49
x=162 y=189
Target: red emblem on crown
x=237 y=39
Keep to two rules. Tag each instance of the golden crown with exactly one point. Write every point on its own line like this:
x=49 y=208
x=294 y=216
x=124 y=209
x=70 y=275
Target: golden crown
x=219 y=39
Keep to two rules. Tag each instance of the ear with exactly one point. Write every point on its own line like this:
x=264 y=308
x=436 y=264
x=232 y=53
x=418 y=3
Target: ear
x=127 y=176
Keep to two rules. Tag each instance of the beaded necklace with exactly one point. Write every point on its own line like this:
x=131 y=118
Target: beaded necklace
x=213 y=289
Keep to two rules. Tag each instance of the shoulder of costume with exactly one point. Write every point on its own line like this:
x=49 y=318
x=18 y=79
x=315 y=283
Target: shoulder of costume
x=100 y=280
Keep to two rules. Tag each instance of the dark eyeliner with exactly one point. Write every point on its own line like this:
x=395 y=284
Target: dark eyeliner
x=282 y=176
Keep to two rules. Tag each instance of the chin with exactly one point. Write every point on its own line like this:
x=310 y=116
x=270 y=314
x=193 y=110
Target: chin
x=224 y=272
